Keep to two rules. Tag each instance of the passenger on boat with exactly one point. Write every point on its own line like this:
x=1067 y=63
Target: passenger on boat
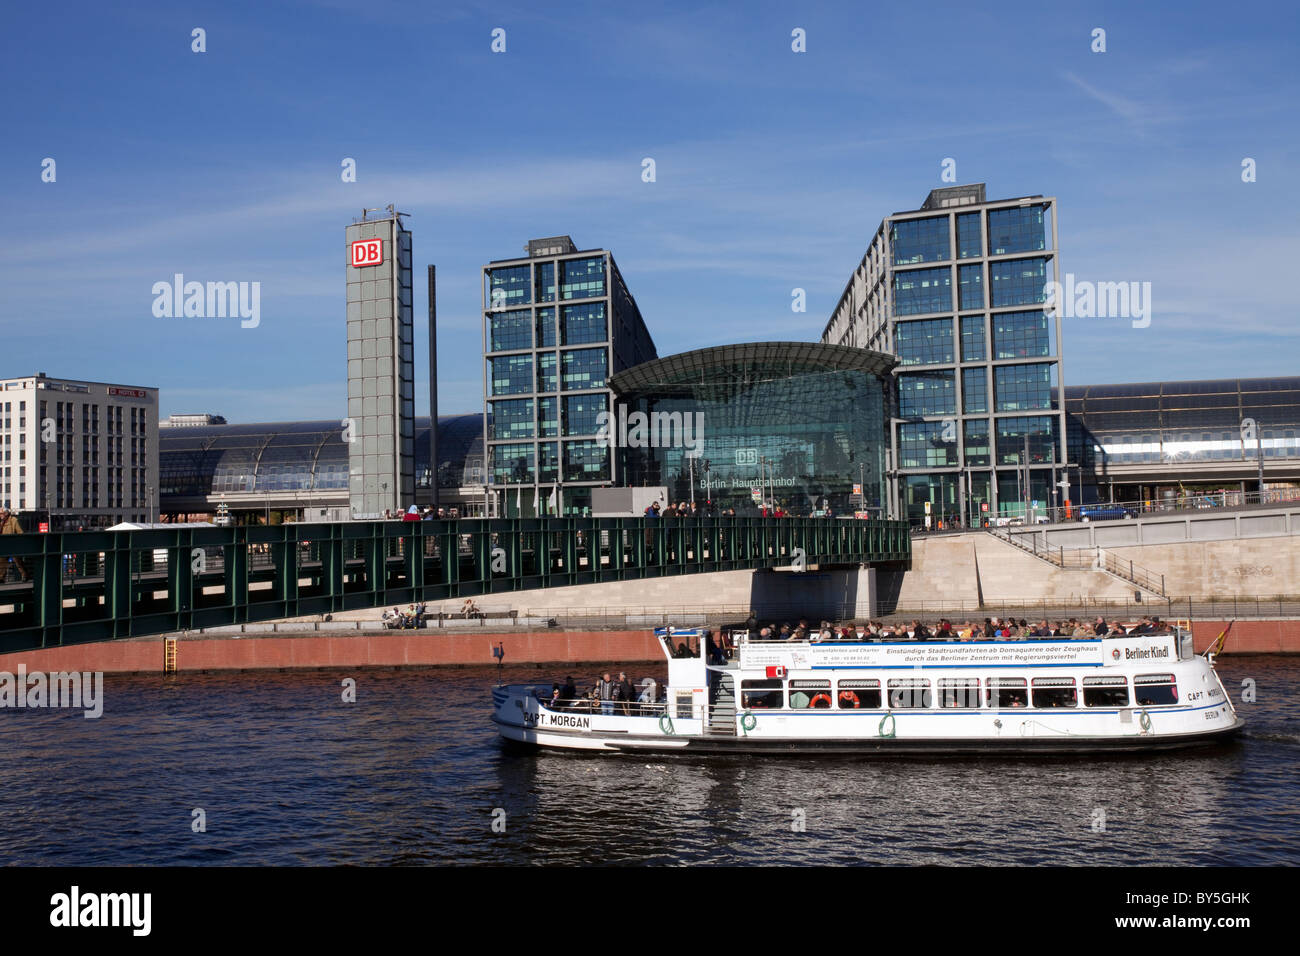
x=605 y=694
x=648 y=691
x=715 y=654
x=554 y=702
x=1100 y=629
x=627 y=694
x=568 y=694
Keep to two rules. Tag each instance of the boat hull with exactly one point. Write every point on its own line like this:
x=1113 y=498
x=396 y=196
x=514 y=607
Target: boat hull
x=872 y=746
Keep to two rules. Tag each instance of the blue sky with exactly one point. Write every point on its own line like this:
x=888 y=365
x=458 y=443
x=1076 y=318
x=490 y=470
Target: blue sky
x=774 y=170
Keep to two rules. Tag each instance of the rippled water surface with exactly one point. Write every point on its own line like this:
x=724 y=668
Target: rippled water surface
x=287 y=773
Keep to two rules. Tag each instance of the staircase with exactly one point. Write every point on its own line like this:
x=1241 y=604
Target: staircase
x=722 y=712
x=1087 y=558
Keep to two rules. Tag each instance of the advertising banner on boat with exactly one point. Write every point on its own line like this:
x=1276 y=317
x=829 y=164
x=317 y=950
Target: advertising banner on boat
x=926 y=654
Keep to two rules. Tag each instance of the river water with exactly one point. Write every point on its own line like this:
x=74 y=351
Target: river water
x=283 y=771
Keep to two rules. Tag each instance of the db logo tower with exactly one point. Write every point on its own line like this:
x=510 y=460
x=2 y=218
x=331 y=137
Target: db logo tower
x=380 y=363
x=367 y=252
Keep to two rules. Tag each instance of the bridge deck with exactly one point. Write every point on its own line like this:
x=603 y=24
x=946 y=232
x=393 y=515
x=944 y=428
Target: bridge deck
x=98 y=585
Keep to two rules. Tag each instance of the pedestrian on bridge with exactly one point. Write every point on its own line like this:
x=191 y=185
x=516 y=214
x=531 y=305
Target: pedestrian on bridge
x=9 y=525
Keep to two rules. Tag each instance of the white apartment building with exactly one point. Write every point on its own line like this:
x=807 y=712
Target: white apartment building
x=78 y=454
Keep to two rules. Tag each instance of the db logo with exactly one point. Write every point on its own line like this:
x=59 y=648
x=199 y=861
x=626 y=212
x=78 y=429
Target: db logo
x=1115 y=654
x=367 y=252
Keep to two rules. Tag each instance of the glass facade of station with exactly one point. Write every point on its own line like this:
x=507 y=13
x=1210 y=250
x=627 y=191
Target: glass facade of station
x=790 y=424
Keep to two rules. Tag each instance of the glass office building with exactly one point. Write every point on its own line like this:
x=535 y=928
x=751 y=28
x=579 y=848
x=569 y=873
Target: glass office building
x=798 y=425
x=1155 y=440
x=557 y=325
x=955 y=289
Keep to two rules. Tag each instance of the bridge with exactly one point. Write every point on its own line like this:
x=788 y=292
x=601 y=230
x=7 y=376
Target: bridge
x=101 y=585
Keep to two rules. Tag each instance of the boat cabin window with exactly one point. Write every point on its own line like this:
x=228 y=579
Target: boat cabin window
x=685 y=701
x=810 y=694
x=1055 y=692
x=905 y=692
x=762 y=694
x=1155 y=689
x=859 y=693
x=1007 y=692
x=1105 y=691
x=961 y=692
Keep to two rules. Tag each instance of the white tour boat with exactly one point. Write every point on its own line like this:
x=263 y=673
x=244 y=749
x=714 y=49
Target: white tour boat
x=1043 y=695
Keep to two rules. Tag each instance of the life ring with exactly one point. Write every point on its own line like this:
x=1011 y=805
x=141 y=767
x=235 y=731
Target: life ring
x=1145 y=720
x=880 y=730
x=848 y=699
x=825 y=701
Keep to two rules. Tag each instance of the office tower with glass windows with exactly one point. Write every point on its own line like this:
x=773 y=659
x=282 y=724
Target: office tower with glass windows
x=956 y=290
x=556 y=325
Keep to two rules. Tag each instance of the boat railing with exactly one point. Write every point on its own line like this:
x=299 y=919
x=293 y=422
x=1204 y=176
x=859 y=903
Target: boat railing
x=621 y=708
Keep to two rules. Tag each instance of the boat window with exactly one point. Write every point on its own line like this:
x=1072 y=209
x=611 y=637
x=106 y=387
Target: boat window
x=1008 y=692
x=959 y=692
x=1152 y=690
x=906 y=692
x=761 y=694
x=684 y=705
x=1105 y=691
x=1055 y=692
x=859 y=693
x=810 y=694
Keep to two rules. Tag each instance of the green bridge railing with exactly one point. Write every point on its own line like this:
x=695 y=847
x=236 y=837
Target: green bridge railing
x=100 y=585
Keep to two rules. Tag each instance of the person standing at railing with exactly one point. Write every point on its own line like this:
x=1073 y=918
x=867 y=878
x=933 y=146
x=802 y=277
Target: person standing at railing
x=9 y=525
x=605 y=694
x=626 y=693
x=568 y=694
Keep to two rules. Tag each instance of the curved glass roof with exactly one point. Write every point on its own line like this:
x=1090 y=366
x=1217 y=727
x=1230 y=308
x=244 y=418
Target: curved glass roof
x=780 y=359
x=1167 y=390
x=299 y=456
x=1151 y=422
